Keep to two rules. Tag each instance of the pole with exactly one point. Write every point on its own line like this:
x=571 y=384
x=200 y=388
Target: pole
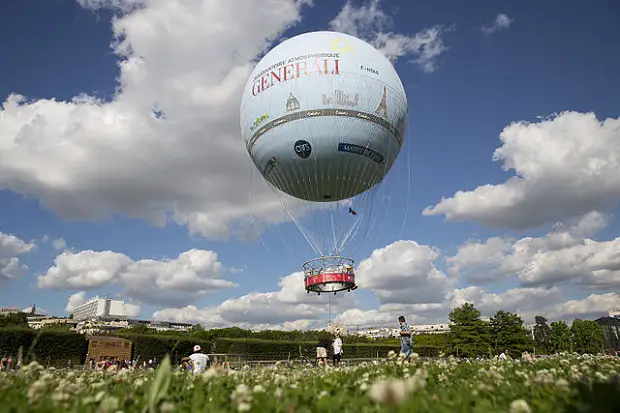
x=329 y=309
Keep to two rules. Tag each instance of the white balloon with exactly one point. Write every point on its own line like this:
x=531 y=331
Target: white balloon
x=323 y=116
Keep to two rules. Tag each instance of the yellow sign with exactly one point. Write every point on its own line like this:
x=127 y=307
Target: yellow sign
x=342 y=45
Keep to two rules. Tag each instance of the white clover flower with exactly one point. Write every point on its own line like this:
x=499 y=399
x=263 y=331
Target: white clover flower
x=108 y=404
x=167 y=407
x=244 y=407
x=520 y=406
x=36 y=390
x=389 y=392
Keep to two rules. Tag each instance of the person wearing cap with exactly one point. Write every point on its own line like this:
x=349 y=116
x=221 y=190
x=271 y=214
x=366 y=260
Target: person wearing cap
x=337 y=349
x=198 y=361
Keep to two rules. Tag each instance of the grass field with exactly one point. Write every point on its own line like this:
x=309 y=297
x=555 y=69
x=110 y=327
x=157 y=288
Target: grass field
x=554 y=384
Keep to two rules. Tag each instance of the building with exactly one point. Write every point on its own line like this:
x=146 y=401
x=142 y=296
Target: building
x=43 y=321
x=8 y=310
x=394 y=332
x=100 y=308
x=614 y=313
x=430 y=328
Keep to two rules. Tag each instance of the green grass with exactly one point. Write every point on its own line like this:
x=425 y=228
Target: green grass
x=554 y=384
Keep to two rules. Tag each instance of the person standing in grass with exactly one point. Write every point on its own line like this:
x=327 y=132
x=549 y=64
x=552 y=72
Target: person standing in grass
x=198 y=360
x=337 y=350
x=321 y=352
x=406 y=342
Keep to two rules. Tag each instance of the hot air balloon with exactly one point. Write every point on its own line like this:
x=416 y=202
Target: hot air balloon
x=323 y=117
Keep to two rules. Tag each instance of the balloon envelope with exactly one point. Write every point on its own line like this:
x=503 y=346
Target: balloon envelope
x=323 y=116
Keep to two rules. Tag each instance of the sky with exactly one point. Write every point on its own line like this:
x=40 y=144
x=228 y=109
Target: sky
x=123 y=170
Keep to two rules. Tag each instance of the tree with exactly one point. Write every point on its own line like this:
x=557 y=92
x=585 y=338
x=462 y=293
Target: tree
x=560 y=339
x=542 y=334
x=14 y=320
x=140 y=329
x=587 y=336
x=508 y=333
x=195 y=329
x=468 y=333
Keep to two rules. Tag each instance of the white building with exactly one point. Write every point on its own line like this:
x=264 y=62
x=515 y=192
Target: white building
x=38 y=322
x=100 y=307
x=394 y=332
x=614 y=313
x=430 y=328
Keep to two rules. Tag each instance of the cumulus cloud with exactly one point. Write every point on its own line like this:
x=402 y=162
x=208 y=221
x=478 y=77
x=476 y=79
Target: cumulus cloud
x=371 y=23
x=291 y=306
x=76 y=300
x=404 y=278
x=401 y=273
x=11 y=248
x=167 y=147
x=565 y=254
x=565 y=166
x=404 y=273
x=79 y=298
x=181 y=280
x=501 y=22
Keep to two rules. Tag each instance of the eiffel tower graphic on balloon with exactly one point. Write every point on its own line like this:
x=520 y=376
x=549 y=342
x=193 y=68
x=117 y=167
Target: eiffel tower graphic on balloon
x=383 y=104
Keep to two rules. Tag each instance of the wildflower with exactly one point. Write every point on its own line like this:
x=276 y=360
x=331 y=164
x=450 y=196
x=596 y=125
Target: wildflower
x=562 y=384
x=36 y=390
x=390 y=392
x=520 y=406
x=108 y=404
x=166 y=407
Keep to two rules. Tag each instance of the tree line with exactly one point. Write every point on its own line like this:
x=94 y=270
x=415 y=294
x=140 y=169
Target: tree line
x=470 y=336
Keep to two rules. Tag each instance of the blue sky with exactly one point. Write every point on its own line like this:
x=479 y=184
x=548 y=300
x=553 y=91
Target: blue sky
x=105 y=191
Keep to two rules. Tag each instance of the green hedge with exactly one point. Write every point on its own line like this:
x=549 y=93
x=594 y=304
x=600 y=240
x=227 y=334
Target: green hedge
x=58 y=347
x=149 y=346
x=47 y=347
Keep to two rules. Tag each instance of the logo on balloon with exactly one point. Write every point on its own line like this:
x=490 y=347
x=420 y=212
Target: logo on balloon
x=303 y=149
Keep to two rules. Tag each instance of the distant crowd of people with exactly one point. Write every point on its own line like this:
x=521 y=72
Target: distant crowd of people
x=8 y=363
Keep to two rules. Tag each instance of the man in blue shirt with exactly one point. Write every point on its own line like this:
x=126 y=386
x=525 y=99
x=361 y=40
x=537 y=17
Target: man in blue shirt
x=406 y=343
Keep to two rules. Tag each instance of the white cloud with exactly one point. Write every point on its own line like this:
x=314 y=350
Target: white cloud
x=404 y=272
x=88 y=159
x=11 y=248
x=59 y=244
x=501 y=22
x=404 y=278
x=370 y=23
x=566 y=165
x=184 y=279
x=79 y=298
x=562 y=256
x=290 y=306
x=76 y=300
